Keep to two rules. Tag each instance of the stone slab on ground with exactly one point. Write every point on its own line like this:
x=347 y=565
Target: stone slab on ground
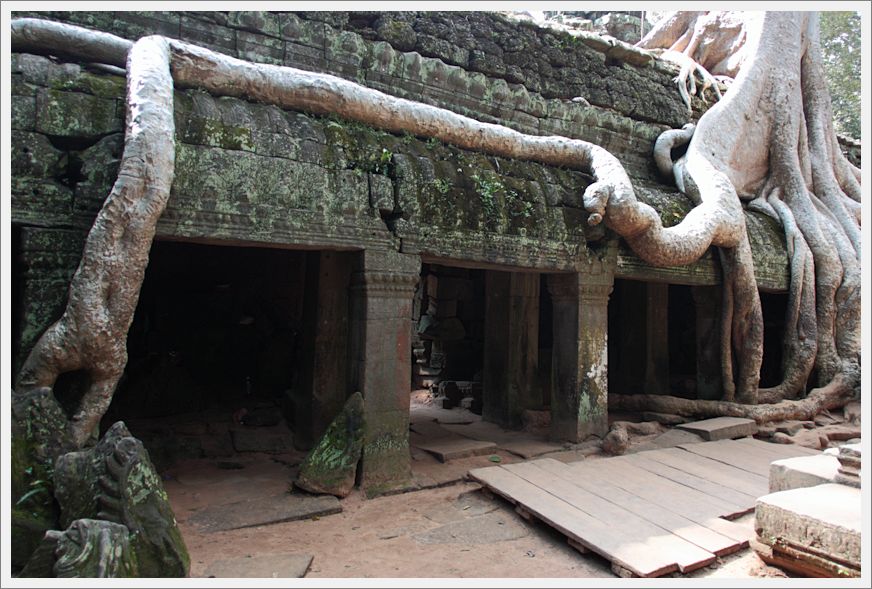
x=276 y=565
x=484 y=529
x=824 y=518
x=521 y=443
x=263 y=511
x=801 y=472
x=668 y=439
x=526 y=448
x=452 y=447
x=721 y=428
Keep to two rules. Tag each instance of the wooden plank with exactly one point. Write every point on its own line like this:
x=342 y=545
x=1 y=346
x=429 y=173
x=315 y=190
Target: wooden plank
x=723 y=451
x=574 y=523
x=669 y=495
x=677 y=524
x=758 y=448
x=721 y=501
x=626 y=525
x=728 y=476
x=729 y=501
x=782 y=450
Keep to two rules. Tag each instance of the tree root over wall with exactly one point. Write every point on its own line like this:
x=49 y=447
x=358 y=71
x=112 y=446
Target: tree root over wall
x=771 y=137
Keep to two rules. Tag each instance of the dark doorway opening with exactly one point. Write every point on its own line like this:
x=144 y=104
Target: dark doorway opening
x=448 y=323
x=774 y=312
x=213 y=351
x=682 y=342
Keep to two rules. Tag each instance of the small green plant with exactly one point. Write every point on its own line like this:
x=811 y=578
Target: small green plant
x=442 y=185
x=383 y=161
x=487 y=189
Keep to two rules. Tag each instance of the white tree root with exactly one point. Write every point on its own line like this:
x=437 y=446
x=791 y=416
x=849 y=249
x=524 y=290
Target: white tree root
x=772 y=137
x=91 y=334
x=835 y=394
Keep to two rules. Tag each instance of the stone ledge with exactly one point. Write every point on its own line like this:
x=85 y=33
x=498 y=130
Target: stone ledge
x=802 y=472
x=721 y=428
x=824 y=520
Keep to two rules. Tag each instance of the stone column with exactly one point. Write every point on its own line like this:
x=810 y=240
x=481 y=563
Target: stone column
x=579 y=371
x=708 y=348
x=656 y=338
x=511 y=346
x=324 y=354
x=383 y=287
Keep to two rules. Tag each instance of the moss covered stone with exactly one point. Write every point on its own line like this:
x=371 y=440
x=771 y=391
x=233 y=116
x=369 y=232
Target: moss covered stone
x=73 y=114
x=116 y=481
x=39 y=436
x=88 y=548
x=331 y=466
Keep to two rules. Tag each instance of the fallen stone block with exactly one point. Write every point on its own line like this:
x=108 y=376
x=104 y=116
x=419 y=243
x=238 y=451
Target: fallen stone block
x=331 y=466
x=781 y=438
x=721 y=428
x=791 y=428
x=801 y=472
x=814 y=531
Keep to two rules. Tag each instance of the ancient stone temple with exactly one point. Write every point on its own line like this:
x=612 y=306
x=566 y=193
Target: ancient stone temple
x=303 y=257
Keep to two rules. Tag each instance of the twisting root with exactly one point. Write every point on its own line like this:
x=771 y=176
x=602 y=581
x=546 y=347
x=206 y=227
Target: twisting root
x=92 y=332
x=772 y=136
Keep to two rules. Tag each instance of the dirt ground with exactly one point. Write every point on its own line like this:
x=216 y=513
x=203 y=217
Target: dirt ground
x=448 y=530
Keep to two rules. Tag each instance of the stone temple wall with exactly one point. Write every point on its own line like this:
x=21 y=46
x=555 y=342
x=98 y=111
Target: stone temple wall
x=250 y=173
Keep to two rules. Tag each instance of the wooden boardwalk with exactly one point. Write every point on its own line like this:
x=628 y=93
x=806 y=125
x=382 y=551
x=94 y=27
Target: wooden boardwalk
x=650 y=513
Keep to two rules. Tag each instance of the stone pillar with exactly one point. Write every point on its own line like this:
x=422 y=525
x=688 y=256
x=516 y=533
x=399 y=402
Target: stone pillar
x=324 y=360
x=579 y=372
x=511 y=346
x=656 y=338
x=383 y=287
x=708 y=347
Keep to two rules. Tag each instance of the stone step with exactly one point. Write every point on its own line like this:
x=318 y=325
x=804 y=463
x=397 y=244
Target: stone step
x=802 y=471
x=813 y=531
x=721 y=428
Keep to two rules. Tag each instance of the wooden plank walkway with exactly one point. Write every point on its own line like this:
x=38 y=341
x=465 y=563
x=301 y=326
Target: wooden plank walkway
x=649 y=513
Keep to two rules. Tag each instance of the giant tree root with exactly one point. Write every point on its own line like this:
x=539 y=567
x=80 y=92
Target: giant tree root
x=771 y=140
x=832 y=396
